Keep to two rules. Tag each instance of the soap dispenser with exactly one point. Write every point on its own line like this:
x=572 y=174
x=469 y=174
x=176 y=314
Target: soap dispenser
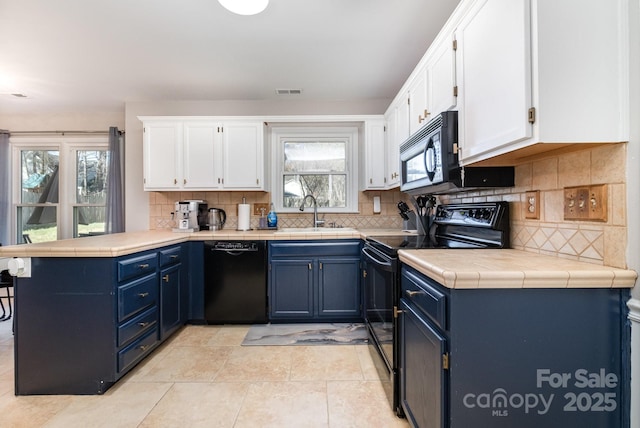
x=272 y=217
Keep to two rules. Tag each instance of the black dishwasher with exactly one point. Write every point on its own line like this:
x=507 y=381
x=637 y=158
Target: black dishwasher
x=235 y=287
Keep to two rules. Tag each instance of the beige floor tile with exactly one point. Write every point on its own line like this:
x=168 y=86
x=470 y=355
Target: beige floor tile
x=183 y=364
x=195 y=335
x=325 y=363
x=372 y=365
x=284 y=404
x=360 y=404
x=197 y=405
x=6 y=385
x=30 y=411
x=256 y=363
x=229 y=336
x=124 y=405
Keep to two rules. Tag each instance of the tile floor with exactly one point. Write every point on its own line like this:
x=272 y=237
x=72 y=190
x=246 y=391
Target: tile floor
x=202 y=377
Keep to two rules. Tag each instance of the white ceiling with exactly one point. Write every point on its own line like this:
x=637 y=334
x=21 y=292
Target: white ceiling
x=80 y=55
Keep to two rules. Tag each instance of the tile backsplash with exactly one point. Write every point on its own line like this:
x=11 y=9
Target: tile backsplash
x=589 y=241
x=161 y=206
x=593 y=242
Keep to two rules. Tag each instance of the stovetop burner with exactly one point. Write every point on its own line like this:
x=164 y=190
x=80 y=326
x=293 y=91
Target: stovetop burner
x=473 y=225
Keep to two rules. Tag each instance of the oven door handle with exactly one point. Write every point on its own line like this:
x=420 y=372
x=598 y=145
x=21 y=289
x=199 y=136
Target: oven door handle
x=380 y=263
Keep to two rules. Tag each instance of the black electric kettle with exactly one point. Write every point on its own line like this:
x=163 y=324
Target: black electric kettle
x=217 y=218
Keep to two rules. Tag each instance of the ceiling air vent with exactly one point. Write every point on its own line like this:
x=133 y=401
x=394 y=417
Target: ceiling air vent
x=288 y=91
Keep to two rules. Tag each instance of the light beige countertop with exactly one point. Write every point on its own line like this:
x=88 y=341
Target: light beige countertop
x=476 y=269
x=120 y=244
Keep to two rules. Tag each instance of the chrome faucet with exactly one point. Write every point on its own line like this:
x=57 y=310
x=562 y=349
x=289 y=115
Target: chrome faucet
x=316 y=222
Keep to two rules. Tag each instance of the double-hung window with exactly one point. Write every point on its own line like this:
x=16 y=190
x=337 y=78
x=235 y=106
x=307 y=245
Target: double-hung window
x=59 y=187
x=315 y=161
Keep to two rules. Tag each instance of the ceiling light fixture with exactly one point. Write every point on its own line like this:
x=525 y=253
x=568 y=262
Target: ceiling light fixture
x=244 y=7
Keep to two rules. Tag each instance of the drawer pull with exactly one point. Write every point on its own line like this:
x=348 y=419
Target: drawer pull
x=143 y=347
x=173 y=256
x=143 y=266
x=166 y=278
x=413 y=293
x=143 y=324
x=143 y=295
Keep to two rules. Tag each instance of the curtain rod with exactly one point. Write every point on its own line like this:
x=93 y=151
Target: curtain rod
x=60 y=132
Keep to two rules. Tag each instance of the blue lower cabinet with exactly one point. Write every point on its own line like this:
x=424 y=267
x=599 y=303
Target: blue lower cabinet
x=315 y=281
x=83 y=323
x=523 y=358
x=171 y=309
x=292 y=289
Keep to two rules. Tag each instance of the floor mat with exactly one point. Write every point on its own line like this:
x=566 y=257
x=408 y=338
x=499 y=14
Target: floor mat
x=306 y=334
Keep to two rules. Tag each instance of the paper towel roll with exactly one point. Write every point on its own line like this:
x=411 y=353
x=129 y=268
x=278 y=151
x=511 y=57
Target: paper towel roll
x=244 y=216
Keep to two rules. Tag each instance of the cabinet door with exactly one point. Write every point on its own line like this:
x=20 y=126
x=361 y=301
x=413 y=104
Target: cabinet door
x=419 y=113
x=162 y=155
x=291 y=289
x=441 y=78
x=374 y=147
x=243 y=155
x=494 y=76
x=170 y=300
x=422 y=377
x=202 y=156
x=392 y=143
x=339 y=287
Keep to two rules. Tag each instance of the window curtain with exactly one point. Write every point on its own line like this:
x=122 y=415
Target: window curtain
x=5 y=189
x=115 y=190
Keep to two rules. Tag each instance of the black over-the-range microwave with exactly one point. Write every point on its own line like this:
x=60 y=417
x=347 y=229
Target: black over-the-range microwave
x=430 y=163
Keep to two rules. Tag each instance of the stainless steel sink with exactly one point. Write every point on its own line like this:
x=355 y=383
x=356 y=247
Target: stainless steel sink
x=304 y=230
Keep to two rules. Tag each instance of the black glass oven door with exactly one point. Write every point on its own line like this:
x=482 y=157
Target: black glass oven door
x=379 y=290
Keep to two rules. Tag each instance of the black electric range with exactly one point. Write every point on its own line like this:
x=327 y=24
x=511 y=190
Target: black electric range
x=470 y=225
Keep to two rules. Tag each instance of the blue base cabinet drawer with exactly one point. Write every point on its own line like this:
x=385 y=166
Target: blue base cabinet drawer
x=137 y=350
x=136 y=266
x=137 y=326
x=137 y=295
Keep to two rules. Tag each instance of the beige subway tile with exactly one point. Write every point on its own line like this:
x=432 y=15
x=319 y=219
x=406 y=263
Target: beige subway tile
x=617 y=204
x=523 y=178
x=574 y=169
x=545 y=174
x=615 y=245
x=608 y=164
x=552 y=205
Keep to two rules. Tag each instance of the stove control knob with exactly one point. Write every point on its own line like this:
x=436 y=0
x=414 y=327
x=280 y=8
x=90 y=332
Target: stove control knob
x=486 y=214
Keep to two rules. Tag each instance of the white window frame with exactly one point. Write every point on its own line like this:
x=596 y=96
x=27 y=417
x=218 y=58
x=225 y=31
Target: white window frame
x=67 y=146
x=348 y=134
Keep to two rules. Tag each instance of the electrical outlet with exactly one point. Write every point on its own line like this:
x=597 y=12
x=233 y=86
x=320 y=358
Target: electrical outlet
x=586 y=203
x=532 y=205
x=256 y=209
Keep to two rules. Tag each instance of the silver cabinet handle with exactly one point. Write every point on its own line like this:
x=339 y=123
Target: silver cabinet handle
x=143 y=324
x=143 y=294
x=413 y=293
x=143 y=266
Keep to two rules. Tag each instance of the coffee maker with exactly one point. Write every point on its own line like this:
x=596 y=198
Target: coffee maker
x=190 y=216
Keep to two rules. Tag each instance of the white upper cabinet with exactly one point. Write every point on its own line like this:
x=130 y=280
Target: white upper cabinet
x=441 y=76
x=394 y=135
x=162 y=144
x=373 y=156
x=202 y=154
x=494 y=76
x=243 y=148
x=419 y=113
x=540 y=71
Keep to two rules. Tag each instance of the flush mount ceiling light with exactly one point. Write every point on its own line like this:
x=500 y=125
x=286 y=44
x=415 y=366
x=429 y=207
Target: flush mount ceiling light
x=244 y=7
